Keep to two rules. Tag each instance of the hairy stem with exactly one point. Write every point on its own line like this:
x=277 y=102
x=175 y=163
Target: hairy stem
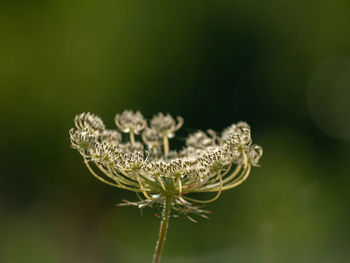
x=163 y=229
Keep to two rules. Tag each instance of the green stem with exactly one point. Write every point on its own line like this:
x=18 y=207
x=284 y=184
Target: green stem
x=163 y=229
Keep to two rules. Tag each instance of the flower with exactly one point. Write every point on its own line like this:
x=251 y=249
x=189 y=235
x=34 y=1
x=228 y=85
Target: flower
x=200 y=140
x=152 y=138
x=89 y=121
x=130 y=121
x=111 y=137
x=165 y=124
x=208 y=163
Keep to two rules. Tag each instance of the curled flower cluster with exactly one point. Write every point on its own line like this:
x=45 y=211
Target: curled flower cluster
x=210 y=162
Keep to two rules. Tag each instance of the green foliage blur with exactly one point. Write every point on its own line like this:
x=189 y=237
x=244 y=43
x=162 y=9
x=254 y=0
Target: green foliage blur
x=282 y=66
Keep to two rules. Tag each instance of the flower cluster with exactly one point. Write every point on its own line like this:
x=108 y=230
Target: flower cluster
x=210 y=162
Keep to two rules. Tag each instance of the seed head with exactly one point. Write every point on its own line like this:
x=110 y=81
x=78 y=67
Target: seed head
x=152 y=138
x=130 y=121
x=208 y=163
x=89 y=121
x=240 y=133
x=165 y=124
x=82 y=140
x=129 y=147
x=111 y=137
x=200 y=140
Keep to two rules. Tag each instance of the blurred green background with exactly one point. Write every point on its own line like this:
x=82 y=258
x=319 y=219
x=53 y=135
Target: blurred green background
x=282 y=66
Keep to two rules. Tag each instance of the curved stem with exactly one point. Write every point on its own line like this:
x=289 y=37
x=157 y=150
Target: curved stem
x=98 y=177
x=163 y=229
x=240 y=180
x=143 y=189
x=210 y=200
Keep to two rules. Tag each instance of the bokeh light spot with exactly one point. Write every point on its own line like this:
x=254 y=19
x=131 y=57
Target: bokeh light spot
x=328 y=97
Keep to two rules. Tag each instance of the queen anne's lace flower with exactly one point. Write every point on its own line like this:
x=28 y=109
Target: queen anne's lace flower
x=208 y=163
x=161 y=177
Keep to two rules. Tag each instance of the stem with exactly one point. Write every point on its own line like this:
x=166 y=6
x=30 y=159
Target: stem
x=166 y=144
x=163 y=229
x=132 y=137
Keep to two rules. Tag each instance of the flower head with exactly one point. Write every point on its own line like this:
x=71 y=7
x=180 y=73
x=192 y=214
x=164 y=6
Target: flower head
x=130 y=121
x=111 y=137
x=90 y=122
x=152 y=138
x=82 y=140
x=165 y=124
x=208 y=163
x=200 y=140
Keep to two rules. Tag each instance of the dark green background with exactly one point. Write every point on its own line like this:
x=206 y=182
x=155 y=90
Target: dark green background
x=282 y=66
